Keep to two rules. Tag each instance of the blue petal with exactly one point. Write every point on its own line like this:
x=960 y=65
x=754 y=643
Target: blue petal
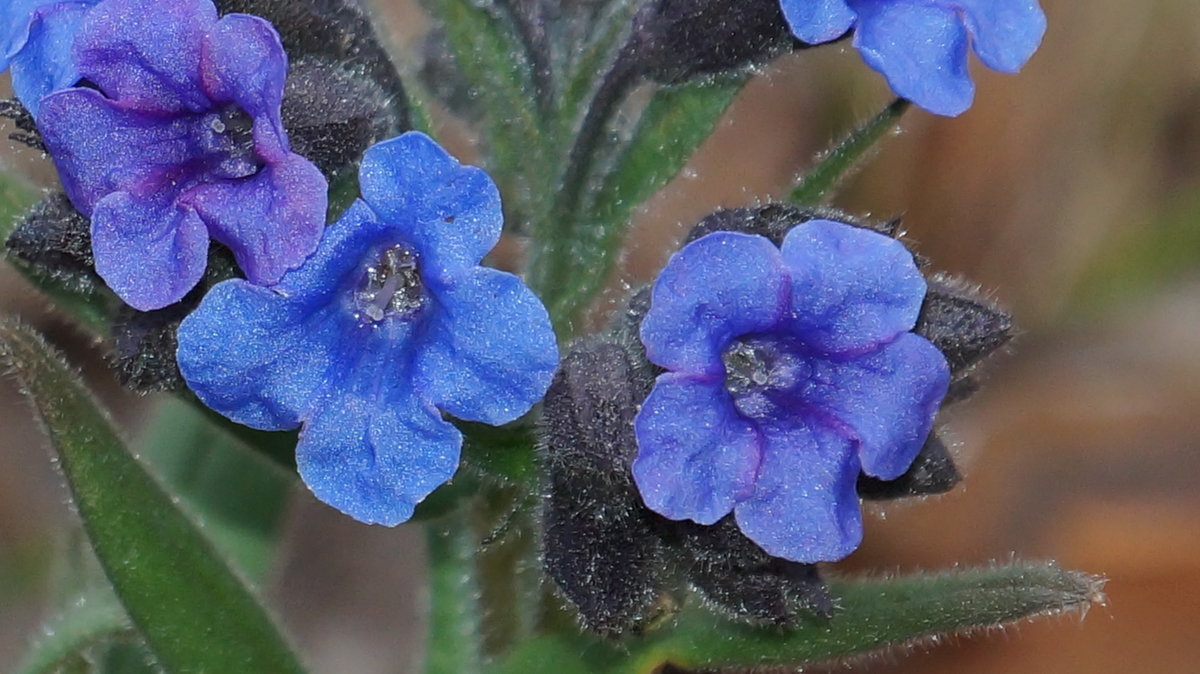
x=697 y=456
x=262 y=359
x=374 y=451
x=804 y=506
x=271 y=221
x=44 y=64
x=14 y=27
x=852 y=288
x=100 y=147
x=244 y=63
x=920 y=48
x=344 y=248
x=149 y=252
x=714 y=289
x=146 y=53
x=1005 y=33
x=888 y=399
x=449 y=212
x=817 y=21
x=489 y=350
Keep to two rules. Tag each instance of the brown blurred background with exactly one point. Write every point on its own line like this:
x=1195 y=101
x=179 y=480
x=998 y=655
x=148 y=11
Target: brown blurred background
x=1071 y=192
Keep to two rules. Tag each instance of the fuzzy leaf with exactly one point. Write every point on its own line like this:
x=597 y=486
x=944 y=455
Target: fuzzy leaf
x=195 y=613
x=93 y=618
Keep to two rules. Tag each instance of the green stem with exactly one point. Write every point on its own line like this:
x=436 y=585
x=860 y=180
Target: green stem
x=846 y=155
x=452 y=646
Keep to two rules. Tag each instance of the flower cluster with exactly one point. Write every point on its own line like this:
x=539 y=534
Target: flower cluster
x=921 y=46
x=789 y=371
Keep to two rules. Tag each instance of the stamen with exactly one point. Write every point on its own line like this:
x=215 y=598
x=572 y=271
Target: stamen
x=392 y=286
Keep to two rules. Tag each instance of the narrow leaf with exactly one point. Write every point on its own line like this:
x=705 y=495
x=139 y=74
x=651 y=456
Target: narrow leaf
x=94 y=617
x=871 y=615
x=846 y=155
x=675 y=122
x=194 y=612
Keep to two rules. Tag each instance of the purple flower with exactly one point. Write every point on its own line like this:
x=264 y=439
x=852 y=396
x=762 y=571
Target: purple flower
x=181 y=141
x=390 y=321
x=921 y=46
x=35 y=43
x=790 y=370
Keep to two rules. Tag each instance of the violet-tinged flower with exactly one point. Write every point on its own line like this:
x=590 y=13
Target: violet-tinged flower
x=390 y=321
x=790 y=370
x=181 y=140
x=921 y=46
x=35 y=44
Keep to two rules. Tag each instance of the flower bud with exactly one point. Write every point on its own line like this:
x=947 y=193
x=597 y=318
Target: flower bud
x=966 y=326
x=932 y=472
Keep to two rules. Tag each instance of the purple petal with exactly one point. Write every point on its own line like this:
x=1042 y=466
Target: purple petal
x=271 y=221
x=150 y=253
x=244 y=63
x=101 y=147
x=146 y=53
x=1005 y=33
x=888 y=399
x=489 y=351
x=375 y=454
x=449 y=212
x=817 y=21
x=259 y=358
x=920 y=48
x=697 y=457
x=852 y=288
x=804 y=507
x=716 y=288
x=44 y=63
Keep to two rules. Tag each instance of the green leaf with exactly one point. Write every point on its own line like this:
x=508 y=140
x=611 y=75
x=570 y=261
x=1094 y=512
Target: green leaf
x=675 y=122
x=872 y=615
x=195 y=613
x=91 y=619
x=15 y=198
x=846 y=155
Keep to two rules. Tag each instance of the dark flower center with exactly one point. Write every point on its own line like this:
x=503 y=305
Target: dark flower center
x=392 y=287
x=762 y=373
x=227 y=136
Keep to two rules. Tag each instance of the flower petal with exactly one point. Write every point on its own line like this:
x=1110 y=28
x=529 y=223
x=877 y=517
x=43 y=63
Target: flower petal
x=343 y=249
x=450 y=212
x=101 y=147
x=259 y=358
x=852 y=288
x=243 y=62
x=714 y=289
x=697 y=456
x=44 y=64
x=804 y=507
x=888 y=398
x=1005 y=33
x=149 y=252
x=271 y=221
x=817 y=21
x=375 y=451
x=146 y=53
x=920 y=48
x=14 y=27
x=489 y=351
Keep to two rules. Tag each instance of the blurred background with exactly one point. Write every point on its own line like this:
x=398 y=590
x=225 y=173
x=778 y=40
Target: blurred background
x=1070 y=193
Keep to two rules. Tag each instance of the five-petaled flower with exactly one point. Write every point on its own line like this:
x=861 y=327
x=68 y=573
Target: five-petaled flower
x=181 y=140
x=790 y=370
x=921 y=46
x=390 y=321
x=35 y=43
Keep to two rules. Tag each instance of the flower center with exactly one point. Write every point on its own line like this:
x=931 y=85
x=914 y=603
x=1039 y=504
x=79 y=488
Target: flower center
x=227 y=136
x=392 y=287
x=761 y=372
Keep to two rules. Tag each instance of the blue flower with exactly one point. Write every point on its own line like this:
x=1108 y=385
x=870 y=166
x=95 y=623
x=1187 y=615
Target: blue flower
x=790 y=370
x=35 y=42
x=921 y=46
x=390 y=321
x=181 y=140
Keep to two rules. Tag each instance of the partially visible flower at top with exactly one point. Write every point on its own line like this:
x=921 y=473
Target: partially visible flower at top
x=181 y=140
x=35 y=43
x=921 y=46
x=390 y=321
x=790 y=370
